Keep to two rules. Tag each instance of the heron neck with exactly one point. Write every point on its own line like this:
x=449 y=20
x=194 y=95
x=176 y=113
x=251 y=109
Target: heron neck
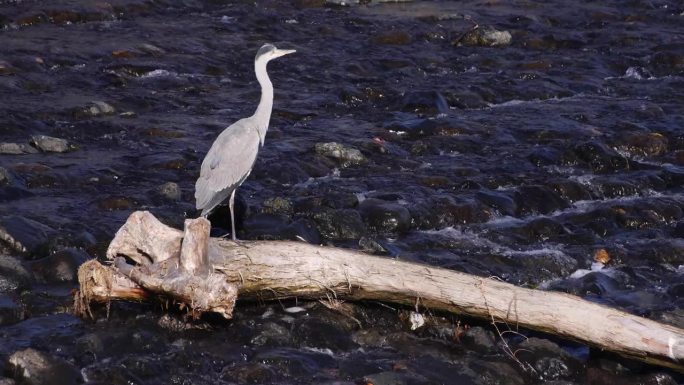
x=263 y=111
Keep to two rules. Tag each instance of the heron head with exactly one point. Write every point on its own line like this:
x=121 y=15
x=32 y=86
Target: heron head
x=269 y=51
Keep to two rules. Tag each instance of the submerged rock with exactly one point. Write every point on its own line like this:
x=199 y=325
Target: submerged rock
x=538 y=200
x=498 y=200
x=425 y=102
x=397 y=37
x=278 y=205
x=424 y=128
x=479 y=339
x=151 y=49
x=570 y=190
x=264 y=226
x=666 y=63
x=385 y=217
x=271 y=334
x=11 y=311
x=93 y=109
x=25 y=235
x=501 y=372
x=600 y=158
x=32 y=367
x=541 y=229
x=303 y=229
x=340 y=200
x=13 y=275
x=6 y=68
x=443 y=210
x=61 y=266
x=486 y=37
x=346 y=156
x=548 y=359
x=50 y=144
x=163 y=161
x=170 y=191
x=116 y=203
x=248 y=373
x=282 y=172
x=643 y=144
x=339 y=224
x=327 y=330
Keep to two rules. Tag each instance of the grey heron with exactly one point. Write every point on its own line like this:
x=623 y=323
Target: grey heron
x=231 y=157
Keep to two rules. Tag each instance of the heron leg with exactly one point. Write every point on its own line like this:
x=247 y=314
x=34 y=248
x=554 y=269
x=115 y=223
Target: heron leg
x=231 y=205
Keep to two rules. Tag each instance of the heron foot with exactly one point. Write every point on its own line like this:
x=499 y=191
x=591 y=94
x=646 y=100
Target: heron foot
x=238 y=242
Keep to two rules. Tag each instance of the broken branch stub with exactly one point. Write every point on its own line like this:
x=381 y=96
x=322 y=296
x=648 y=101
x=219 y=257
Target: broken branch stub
x=195 y=246
x=101 y=283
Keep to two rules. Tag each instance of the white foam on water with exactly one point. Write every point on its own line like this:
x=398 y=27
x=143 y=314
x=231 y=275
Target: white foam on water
x=476 y=240
x=158 y=73
x=334 y=174
x=579 y=273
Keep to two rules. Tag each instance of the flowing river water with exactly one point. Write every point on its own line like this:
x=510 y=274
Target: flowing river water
x=540 y=142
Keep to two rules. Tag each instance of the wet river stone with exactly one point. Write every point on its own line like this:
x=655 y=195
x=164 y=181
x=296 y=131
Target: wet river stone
x=278 y=205
x=442 y=210
x=169 y=190
x=346 y=156
x=393 y=37
x=16 y=149
x=59 y=267
x=486 y=36
x=424 y=102
x=11 y=310
x=548 y=360
x=116 y=203
x=538 y=200
x=50 y=144
x=25 y=235
x=32 y=367
x=13 y=275
x=479 y=339
x=500 y=201
x=643 y=144
x=339 y=224
x=600 y=158
x=385 y=217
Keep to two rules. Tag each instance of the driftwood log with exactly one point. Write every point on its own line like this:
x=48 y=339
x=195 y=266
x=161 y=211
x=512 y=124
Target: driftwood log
x=207 y=275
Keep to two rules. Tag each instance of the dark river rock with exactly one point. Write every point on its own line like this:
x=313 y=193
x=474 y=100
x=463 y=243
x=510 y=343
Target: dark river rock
x=500 y=139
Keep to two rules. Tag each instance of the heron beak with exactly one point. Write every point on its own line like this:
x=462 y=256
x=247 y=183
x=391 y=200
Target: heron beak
x=283 y=52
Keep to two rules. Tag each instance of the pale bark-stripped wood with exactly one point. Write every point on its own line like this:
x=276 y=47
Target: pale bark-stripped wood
x=268 y=269
x=144 y=239
x=194 y=258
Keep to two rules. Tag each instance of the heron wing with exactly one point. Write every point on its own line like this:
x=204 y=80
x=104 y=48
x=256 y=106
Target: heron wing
x=227 y=164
